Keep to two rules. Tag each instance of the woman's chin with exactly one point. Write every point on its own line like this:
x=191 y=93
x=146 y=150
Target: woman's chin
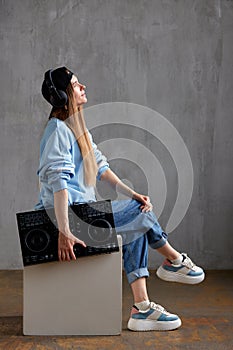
x=82 y=103
x=84 y=100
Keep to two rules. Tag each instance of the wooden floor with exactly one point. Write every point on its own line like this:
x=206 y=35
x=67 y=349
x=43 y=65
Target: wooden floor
x=206 y=311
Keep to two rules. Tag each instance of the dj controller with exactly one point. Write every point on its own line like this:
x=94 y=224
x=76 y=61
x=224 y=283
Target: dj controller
x=91 y=222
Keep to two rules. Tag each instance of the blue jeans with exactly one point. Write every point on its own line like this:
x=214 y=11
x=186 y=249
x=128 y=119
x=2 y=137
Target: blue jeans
x=138 y=230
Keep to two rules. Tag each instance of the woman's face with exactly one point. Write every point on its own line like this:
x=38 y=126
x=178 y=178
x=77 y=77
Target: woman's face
x=79 y=91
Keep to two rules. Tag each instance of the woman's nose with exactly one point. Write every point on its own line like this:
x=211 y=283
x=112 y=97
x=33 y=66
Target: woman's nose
x=82 y=86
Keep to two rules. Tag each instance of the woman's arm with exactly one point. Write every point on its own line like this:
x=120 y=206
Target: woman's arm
x=111 y=178
x=66 y=239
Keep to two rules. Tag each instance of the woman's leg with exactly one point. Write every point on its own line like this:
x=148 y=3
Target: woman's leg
x=138 y=287
x=135 y=257
x=169 y=252
x=129 y=217
x=139 y=290
x=145 y=315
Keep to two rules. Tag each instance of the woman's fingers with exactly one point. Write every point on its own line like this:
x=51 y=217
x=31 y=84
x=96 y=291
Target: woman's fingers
x=145 y=200
x=73 y=257
x=61 y=253
x=65 y=247
x=66 y=254
x=147 y=207
x=80 y=242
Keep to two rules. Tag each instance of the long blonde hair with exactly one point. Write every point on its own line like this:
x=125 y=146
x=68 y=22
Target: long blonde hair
x=73 y=117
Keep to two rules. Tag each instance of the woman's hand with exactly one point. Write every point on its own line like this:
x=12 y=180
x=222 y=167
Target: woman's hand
x=66 y=240
x=65 y=246
x=115 y=182
x=145 y=200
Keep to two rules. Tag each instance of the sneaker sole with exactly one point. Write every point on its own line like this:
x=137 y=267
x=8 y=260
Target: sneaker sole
x=178 y=277
x=152 y=325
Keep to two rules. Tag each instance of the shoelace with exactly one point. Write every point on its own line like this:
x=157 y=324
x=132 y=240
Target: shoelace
x=158 y=307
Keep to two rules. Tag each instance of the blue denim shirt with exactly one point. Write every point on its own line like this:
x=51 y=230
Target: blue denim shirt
x=61 y=166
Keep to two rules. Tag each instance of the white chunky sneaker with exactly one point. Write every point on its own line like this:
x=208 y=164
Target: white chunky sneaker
x=186 y=272
x=155 y=318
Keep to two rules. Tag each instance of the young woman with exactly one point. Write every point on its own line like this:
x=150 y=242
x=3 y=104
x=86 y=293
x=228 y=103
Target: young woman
x=70 y=163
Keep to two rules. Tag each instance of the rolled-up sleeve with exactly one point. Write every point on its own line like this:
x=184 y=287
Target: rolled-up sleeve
x=101 y=160
x=56 y=166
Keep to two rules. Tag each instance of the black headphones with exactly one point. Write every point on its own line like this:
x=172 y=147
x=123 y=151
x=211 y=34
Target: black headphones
x=57 y=98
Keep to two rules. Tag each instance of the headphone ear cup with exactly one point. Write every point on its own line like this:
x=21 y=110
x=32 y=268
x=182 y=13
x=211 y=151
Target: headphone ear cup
x=59 y=99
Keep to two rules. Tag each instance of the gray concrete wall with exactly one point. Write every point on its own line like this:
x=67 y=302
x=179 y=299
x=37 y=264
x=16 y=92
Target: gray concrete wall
x=174 y=57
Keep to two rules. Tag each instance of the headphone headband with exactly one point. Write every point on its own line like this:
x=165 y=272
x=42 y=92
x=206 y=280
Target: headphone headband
x=57 y=97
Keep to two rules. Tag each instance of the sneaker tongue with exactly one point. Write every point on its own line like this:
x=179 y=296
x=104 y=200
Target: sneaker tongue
x=187 y=261
x=184 y=257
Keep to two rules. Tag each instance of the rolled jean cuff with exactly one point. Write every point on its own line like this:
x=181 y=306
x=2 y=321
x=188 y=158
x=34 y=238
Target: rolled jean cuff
x=139 y=273
x=160 y=243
